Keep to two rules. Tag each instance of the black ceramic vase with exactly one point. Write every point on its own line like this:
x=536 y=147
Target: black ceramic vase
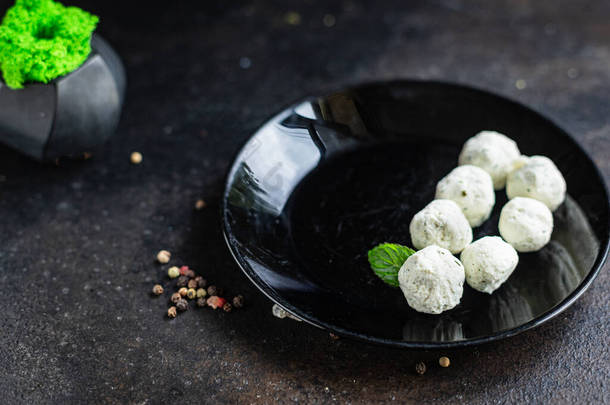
x=70 y=115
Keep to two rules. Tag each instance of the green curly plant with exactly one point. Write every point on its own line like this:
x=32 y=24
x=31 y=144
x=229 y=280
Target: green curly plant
x=41 y=40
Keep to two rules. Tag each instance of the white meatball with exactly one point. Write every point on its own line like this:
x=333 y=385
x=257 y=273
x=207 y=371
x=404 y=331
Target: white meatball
x=488 y=262
x=432 y=280
x=441 y=223
x=492 y=152
x=472 y=189
x=539 y=179
x=526 y=224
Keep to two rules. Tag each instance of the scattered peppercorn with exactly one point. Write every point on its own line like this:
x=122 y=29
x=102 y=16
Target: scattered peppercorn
x=191 y=293
x=227 y=307
x=157 y=289
x=171 y=312
x=420 y=368
x=163 y=256
x=201 y=282
x=190 y=273
x=201 y=293
x=182 y=305
x=444 y=361
x=136 y=158
x=212 y=290
x=192 y=283
x=183 y=270
x=183 y=291
x=201 y=302
x=292 y=18
x=173 y=272
x=238 y=301
x=182 y=281
x=200 y=204
x=216 y=302
x=175 y=297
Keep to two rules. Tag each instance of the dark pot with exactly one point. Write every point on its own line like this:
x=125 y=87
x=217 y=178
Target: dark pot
x=70 y=115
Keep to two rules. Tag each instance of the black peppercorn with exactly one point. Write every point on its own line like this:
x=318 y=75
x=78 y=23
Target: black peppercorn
x=420 y=368
x=201 y=302
x=175 y=297
x=238 y=301
x=182 y=281
x=190 y=273
x=212 y=290
x=227 y=307
x=182 y=304
x=192 y=284
x=201 y=282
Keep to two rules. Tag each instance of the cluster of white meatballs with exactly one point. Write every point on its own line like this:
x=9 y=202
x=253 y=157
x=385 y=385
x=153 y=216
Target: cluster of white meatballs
x=432 y=279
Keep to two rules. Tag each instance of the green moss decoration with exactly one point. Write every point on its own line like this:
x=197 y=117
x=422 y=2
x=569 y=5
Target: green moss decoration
x=41 y=40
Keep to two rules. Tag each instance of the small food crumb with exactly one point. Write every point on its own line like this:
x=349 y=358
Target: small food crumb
x=200 y=204
x=292 y=18
x=163 y=256
x=420 y=368
x=175 y=297
x=182 y=304
x=444 y=361
x=136 y=158
x=173 y=272
x=245 y=62
x=191 y=293
x=281 y=313
x=329 y=20
x=238 y=301
x=157 y=289
x=171 y=312
x=520 y=84
x=182 y=291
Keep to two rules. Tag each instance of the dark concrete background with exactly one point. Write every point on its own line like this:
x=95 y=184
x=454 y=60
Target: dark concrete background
x=78 y=240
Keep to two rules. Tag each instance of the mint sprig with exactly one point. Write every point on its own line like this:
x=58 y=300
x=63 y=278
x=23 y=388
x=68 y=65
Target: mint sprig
x=386 y=260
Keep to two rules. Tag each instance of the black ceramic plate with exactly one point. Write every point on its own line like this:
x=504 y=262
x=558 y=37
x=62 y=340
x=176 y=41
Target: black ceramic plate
x=328 y=178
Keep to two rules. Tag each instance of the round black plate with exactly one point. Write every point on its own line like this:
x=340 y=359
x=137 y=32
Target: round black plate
x=327 y=179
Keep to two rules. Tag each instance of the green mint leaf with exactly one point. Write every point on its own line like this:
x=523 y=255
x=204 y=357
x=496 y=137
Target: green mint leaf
x=386 y=259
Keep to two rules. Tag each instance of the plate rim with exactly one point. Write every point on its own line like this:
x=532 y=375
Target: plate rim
x=404 y=344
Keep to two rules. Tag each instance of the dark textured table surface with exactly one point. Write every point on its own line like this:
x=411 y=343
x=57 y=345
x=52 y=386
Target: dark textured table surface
x=78 y=242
